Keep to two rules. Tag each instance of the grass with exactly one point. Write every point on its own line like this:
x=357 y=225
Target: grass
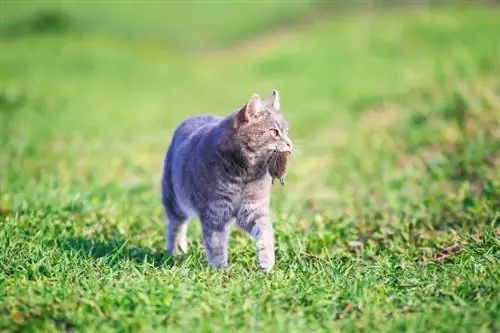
x=389 y=219
x=216 y=23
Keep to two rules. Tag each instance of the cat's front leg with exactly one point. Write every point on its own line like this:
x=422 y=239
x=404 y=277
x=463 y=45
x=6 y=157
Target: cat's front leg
x=263 y=234
x=257 y=222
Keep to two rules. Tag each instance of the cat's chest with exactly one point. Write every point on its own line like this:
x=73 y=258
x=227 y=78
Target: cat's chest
x=255 y=191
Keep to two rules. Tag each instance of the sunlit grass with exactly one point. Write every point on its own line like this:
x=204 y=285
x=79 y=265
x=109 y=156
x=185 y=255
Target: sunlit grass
x=389 y=218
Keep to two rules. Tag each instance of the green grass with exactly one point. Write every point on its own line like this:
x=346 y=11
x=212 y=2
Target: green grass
x=389 y=219
x=185 y=25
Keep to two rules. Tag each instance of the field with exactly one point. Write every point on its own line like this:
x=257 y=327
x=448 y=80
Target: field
x=389 y=220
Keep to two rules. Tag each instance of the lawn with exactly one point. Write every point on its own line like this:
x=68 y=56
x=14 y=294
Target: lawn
x=390 y=216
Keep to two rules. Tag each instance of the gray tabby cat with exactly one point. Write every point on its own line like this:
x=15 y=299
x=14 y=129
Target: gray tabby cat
x=216 y=169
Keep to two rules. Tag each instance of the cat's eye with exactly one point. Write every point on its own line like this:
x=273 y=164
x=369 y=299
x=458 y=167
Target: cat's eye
x=275 y=132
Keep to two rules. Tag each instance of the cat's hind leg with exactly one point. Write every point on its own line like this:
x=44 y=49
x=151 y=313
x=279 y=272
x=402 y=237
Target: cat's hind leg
x=215 y=239
x=176 y=235
x=176 y=225
x=215 y=224
x=176 y=219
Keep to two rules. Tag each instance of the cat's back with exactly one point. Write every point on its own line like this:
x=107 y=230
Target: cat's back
x=185 y=157
x=192 y=125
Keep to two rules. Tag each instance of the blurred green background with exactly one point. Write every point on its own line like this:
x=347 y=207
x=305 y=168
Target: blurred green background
x=393 y=108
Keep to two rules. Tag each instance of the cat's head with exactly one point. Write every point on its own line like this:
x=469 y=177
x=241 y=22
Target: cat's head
x=260 y=127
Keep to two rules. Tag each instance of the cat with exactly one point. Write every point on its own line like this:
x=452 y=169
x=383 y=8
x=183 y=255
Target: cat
x=216 y=169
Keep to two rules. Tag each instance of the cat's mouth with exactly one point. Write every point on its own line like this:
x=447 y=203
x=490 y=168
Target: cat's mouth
x=284 y=147
x=282 y=150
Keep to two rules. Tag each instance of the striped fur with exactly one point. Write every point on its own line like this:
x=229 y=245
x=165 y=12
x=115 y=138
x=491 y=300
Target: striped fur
x=216 y=169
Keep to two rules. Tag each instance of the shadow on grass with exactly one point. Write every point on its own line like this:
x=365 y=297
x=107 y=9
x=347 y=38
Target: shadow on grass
x=48 y=20
x=114 y=251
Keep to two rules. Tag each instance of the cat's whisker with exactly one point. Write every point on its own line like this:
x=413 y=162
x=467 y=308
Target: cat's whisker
x=296 y=153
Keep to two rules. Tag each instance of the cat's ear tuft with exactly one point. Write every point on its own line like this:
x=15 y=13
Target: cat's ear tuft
x=274 y=100
x=253 y=105
x=249 y=110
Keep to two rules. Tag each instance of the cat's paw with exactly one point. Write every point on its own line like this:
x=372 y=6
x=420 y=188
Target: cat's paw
x=217 y=262
x=177 y=251
x=183 y=246
x=266 y=269
x=219 y=267
x=267 y=266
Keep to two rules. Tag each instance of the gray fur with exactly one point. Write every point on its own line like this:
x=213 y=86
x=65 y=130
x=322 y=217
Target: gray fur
x=216 y=169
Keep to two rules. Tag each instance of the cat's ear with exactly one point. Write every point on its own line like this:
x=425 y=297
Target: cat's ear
x=274 y=100
x=249 y=110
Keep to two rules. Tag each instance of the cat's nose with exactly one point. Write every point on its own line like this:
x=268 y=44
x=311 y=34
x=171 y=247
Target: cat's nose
x=289 y=144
